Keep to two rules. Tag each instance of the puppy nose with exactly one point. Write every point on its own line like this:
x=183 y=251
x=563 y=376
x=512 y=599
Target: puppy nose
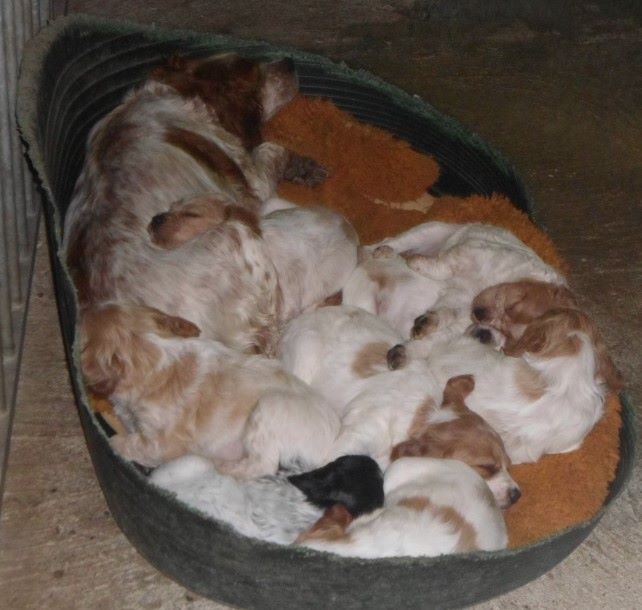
x=514 y=494
x=158 y=221
x=479 y=313
x=483 y=335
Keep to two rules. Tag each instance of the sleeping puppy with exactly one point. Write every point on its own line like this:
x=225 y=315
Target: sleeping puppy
x=273 y=508
x=313 y=250
x=180 y=394
x=460 y=434
x=437 y=266
x=543 y=393
x=191 y=129
x=432 y=507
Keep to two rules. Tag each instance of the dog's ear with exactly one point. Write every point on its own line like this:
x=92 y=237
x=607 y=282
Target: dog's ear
x=415 y=447
x=176 y=326
x=101 y=370
x=330 y=526
x=533 y=341
x=457 y=389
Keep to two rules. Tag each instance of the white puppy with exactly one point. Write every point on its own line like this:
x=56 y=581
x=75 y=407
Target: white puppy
x=439 y=265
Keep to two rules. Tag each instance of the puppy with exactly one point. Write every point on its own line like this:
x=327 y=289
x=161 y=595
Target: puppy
x=314 y=250
x=543 y=393
x=273 y=508
x=462 y=435
x=439 y=265
x=180 y=394
x=191 y=129
x=431 y=507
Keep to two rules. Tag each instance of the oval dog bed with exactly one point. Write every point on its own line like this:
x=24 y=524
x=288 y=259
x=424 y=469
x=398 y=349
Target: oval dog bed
x=76 y=71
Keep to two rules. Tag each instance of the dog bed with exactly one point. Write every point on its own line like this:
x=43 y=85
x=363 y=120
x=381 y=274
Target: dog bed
x=76 y=71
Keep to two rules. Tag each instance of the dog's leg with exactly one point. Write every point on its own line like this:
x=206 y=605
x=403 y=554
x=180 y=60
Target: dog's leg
x=426 y=239
x=270 y=161
x=432 y=267
x=147 y=451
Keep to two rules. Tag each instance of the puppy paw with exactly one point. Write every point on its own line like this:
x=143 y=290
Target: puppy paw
x=424 y=325
x=396 y=357
x=416 y=262
x=383 y=252
x=304 y=170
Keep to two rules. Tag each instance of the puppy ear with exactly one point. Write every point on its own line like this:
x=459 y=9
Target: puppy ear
x=533 y=341
x=101 y=372
x=415 y=447
x=331 y=525
x=457 y=388
x=179 y=327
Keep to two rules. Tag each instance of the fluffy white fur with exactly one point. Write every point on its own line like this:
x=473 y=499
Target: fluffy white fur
x=268 y=508
x=440 y=265
x=432 y=507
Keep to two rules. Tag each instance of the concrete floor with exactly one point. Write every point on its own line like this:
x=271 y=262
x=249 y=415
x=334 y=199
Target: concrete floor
x=557 y=89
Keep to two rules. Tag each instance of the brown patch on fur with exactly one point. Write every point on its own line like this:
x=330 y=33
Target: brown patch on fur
x=530 y=382
x=370 y=359
x=244 y=216
x=333 y=299
x=448 y=515
x=207 y=154
x=554 y=335
x=331 y=525
x=230 y=85
x=467 y=438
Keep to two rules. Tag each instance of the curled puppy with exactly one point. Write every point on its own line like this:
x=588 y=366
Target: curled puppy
x=273 y=508
x=182 y=394
x=459 y=434
x=431 y=507
x=313 y=250
x=437 y=266
x=543 y=393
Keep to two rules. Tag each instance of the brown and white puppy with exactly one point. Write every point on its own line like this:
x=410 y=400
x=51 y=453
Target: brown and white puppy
x=313 y=249
x=460 y=434
x=179 y=394
x=544 y=392
x=191 y=129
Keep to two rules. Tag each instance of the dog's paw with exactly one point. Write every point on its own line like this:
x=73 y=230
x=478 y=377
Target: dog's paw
x=383 y=252
x=416 y=262
x=397 y=357
x=304 y=170
x=424 y=325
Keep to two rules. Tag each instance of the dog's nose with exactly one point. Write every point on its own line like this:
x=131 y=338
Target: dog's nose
x=479 y=313
x=157 y=221
x=483 y=335
x=514 y=494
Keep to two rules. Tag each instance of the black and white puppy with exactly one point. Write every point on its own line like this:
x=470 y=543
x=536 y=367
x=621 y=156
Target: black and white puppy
x=273 y=508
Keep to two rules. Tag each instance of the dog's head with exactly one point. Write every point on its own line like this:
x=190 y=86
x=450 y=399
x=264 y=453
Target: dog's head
x=243 y=93
x=458 y=433
x=114 y=346
x=509 y=307
x=354 y=481
x=564 y=333
x=190 y=218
